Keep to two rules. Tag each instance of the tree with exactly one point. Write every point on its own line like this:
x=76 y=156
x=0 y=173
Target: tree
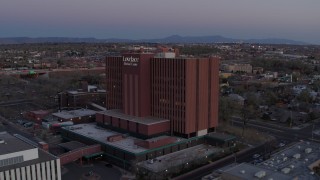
x=226 y=108
x=304 y=96
x=247 y=112
x=271 y=98
x=249 y=109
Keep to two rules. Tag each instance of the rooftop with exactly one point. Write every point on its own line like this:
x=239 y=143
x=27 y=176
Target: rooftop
x=99 y=134
x=72 y=145
x=74 y=113
x=43 y=157
x=183 y=157
x=295 y=160
x=12 y=144
x=249 y=171
x=141 y=120
x=40 y=112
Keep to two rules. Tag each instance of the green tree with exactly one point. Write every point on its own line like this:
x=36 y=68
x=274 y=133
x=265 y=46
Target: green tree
x=304 y=96
x=271 y=98
x=226 y=109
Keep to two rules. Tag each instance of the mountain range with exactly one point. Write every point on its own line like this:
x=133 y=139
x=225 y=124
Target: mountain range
x=169 y=39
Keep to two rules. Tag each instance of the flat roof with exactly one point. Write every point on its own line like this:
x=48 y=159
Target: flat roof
x=72 y=145
x=141 y=120
x=99 y=134
x=248 y=171
x=184 y=156
x=12 y=144
x=92 y=131
x=297 y=158
x=74 y=113
x=43 y=157
x=40 y=111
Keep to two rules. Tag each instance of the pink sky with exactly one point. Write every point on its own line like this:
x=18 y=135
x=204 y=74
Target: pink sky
x=135 y=19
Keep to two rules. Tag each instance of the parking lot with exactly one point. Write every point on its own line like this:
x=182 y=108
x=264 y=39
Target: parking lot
x=97 y=170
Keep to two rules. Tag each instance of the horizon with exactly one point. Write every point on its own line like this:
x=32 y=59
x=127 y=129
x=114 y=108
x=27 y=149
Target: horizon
x=288 y=19
x=295 y=42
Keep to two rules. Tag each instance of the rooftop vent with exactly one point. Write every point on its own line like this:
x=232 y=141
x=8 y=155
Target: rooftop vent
x=260 y=174
x=242 y=171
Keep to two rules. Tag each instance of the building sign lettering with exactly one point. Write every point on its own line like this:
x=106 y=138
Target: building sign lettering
x=130 y=61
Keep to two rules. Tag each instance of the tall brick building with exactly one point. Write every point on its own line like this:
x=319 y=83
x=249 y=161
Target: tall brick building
x=150 y=96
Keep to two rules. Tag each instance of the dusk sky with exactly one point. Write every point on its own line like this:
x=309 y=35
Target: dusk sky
x=136 y=19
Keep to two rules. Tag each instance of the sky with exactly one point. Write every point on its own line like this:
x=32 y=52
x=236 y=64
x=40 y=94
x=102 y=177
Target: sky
x=139 y=19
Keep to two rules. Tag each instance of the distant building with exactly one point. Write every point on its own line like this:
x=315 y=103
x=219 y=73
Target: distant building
x=294 y=162
x=82 y=97
x=257 y=70
x=36 y=116
x=21 y=160
x=247 y=68
x=270 y=75
x=76 y=116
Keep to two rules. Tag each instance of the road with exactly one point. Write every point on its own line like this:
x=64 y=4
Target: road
x=77 y=172
x=283 y=133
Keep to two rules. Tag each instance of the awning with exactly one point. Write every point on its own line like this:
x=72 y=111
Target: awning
x=93 y=155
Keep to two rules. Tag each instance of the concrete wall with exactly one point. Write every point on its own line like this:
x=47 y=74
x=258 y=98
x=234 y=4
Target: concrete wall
x=29 y=154
x=76 y=154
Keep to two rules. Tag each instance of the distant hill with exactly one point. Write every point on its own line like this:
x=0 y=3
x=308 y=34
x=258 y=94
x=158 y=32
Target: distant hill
x=170 y=39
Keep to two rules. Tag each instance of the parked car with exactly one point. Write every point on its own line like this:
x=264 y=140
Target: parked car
x=21 y=122
x=255 y=156
x=28 y=124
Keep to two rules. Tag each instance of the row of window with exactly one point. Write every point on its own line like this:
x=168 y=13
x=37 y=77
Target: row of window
x=11 y=161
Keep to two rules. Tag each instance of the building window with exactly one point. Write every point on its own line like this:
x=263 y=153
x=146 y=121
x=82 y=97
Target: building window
x=10 y=161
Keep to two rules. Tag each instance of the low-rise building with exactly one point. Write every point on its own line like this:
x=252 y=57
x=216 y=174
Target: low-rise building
x=22 y=160
x=295 y=162
x=247 y=68
x=76 y=116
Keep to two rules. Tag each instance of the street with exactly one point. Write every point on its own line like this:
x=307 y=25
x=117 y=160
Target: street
x=283 y=133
